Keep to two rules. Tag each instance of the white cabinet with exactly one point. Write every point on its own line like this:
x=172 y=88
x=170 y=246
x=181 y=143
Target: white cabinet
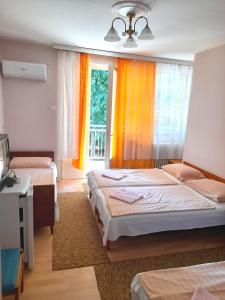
x=16 y=218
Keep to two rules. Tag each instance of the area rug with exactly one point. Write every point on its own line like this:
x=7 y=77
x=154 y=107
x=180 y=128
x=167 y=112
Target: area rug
x=114 y=279
x=77 y=241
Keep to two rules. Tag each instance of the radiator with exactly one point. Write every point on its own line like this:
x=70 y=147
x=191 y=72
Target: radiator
x=158 y=163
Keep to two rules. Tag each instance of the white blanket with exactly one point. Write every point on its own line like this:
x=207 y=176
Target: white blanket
x=155 y=200
x=180 y=283
x=134 y=177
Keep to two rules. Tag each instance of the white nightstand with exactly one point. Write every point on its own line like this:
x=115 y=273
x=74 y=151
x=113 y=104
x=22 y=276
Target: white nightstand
x=16 y=222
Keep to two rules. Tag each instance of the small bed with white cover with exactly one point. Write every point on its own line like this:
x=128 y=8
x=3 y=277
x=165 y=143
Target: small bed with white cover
x=40 y=166
x=205 y=281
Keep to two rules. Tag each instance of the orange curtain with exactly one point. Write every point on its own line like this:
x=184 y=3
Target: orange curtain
x=134 y=114
x=79 y=163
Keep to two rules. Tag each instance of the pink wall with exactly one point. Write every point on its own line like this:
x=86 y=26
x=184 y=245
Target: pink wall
x=205 y=137
x=30 y=105
x=1 y=101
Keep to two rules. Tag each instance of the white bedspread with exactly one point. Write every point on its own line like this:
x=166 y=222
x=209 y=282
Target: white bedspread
x=139 y=224
x=135 y=177
x=179 y=283
x=42 y=176
x=155 y=200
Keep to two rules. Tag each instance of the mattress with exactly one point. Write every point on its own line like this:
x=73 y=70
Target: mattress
x=42 y=176
x=135 y=177
x=140 y=224
x=179 y=283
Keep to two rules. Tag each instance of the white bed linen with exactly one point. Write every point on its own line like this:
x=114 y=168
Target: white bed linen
x=42 y=176
x=93 y=185
x=156 y=199
x=137 y=290
x=140 y=224
x=179 y=283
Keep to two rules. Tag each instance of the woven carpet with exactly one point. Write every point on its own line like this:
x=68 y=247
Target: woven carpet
x=114 y=279
x=76 y=241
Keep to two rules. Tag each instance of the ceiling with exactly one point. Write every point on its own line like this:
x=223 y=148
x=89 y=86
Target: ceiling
x=181 y=27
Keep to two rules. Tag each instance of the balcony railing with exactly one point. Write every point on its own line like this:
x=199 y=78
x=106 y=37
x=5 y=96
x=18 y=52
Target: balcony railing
x=97 y=142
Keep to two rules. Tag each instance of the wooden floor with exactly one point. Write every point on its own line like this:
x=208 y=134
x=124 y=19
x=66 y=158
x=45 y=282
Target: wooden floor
x=80 y=284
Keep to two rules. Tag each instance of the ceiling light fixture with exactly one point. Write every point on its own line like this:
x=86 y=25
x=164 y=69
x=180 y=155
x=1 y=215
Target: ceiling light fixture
x=131 y=10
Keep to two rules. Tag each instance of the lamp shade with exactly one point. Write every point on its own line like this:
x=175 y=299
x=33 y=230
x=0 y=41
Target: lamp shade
x=130 y=43
x=112 y=35
x=146 y=34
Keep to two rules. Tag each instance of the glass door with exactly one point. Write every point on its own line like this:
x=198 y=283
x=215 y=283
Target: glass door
x=99 y=76
x=102 y=94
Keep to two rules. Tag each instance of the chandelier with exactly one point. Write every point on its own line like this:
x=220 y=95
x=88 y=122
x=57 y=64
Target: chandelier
x=134 y=11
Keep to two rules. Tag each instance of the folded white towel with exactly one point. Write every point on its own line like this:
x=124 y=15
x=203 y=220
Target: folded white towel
x=202 y=294
x=125 y=196
x=113 y=175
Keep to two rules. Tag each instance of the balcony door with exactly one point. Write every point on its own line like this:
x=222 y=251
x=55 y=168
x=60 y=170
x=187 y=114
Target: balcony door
x=102 y=89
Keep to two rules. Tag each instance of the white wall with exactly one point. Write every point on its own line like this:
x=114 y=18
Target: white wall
x=30 y=105
x=205 y=137
x=1 y=100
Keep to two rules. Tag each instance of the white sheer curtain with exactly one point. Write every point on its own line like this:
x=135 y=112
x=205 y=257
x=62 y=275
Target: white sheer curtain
x=68 y=104
x=173 y=85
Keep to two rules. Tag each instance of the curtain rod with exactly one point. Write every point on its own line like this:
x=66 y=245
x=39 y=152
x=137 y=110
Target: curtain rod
x=122 y=55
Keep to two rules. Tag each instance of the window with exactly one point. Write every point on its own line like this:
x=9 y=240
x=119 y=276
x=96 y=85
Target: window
x=173 y=84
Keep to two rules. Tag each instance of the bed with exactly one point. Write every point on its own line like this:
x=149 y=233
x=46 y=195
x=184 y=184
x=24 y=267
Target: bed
x=146 y=223
x=179 y=283
x=44 y=189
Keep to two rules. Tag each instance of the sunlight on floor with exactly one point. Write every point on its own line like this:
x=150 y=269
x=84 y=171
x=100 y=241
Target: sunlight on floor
x=96 y=164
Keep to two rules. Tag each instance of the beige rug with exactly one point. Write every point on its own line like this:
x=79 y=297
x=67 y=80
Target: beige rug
x=76 y=241
x=114 y=279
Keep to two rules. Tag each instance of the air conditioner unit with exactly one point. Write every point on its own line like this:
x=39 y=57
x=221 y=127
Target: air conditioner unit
x=16 y=69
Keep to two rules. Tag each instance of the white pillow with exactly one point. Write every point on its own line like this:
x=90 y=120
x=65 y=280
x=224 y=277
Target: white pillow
x=210 y=188
x=183 y=172
x=30 y=162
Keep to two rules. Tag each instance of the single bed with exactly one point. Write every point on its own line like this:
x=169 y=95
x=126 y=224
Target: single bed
x=44 y=188
x=134 y=177
x=179 y=283
x=135 y=224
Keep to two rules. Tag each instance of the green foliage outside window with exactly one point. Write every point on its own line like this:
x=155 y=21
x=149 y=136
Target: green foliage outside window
x=99 y=92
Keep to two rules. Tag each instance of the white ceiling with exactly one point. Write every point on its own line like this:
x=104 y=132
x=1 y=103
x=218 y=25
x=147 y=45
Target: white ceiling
x=181 y=27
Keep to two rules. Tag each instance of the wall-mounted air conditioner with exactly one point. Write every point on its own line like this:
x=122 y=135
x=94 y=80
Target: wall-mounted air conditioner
x=16 y=69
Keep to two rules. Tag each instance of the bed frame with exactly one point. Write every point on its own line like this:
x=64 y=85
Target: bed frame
x=206 y=173
x=43 y=195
